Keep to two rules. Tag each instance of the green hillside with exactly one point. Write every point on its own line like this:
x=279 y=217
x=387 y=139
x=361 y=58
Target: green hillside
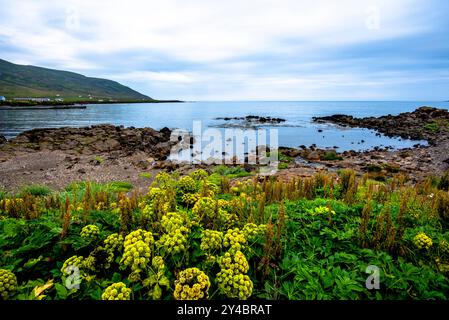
x=18 y=81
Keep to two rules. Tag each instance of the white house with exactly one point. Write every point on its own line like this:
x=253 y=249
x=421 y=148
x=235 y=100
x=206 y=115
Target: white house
x=2 y=98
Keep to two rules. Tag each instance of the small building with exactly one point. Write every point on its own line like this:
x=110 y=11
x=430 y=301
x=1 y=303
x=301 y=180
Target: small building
x=2 y=98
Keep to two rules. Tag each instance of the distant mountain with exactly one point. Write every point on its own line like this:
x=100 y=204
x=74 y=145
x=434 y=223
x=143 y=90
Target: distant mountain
x=18 y=81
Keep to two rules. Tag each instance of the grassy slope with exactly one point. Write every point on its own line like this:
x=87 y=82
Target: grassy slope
x=31 y=81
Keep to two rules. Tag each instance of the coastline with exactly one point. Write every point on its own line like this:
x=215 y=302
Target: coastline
x=76 y=104
x=105 y=153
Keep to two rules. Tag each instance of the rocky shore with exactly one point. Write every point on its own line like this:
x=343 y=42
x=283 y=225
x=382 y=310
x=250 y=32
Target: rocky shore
x=105 y=153
x=101 y=153
x=425 y=123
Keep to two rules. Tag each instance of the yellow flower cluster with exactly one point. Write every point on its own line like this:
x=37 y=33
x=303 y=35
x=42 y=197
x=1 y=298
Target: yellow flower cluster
x=137 y=251
x=74 y=261
x=90 y=232
x=232 y=279
x=190 y=198
x=235 y=190
x=147 y=211
x=7 y=204
x=89 y=263
x=139 y=234
x=205 y=207
x=116 y=291
x=158 y=262
x=208 y=189
x=211 y=240
x=191 y=284
x=234 y=261
x=321 y=210
x=234 y=238
x=8 y=283
x=114 y=208
x=422 y=241
x=252 y=230
x=176 y=228
x=172 y=221
x=113 y=242
x=162 y=178
x=199 y=174
x=136 y=255
x=442 y=266
x=226 y=218
x=100 y=206
x=187 y=185
x=156 y=193
x=173 y=242
x=444 y=247
x=224 y=204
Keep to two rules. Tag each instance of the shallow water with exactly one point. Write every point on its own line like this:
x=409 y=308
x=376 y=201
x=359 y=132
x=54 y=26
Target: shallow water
x=298 y=129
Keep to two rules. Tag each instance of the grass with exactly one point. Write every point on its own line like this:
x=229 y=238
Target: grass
x=282 y=165
x=98 y=160
x=36 y=190
x=432 y=127
x=230 y=171
x=145 y=175
x=331 y=156
x=119 y=186
x=304 y=239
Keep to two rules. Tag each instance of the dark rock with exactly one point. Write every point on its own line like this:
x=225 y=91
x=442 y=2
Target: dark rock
x=416 y=125
x=2 y=140
x=98 y=139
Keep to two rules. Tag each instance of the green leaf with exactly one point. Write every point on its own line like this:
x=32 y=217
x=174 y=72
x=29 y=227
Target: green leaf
x=61 y=291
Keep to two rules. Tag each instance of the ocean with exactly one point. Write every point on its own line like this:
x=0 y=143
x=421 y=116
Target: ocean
x=296 y=131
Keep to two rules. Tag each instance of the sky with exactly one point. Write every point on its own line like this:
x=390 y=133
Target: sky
x=240 y=50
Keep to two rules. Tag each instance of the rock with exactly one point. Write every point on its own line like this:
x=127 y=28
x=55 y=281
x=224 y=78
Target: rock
x=313 y=156
x=425 y=123
x=98 y=139
x=2 y=140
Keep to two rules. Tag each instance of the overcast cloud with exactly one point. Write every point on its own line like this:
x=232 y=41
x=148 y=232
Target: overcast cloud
x=240 y=50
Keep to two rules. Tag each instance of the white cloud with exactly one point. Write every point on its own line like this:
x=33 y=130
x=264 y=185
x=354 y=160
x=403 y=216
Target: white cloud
x=215 y=37
x=142 y=76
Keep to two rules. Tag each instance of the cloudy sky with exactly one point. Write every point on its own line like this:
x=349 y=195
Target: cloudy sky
x=240 y=49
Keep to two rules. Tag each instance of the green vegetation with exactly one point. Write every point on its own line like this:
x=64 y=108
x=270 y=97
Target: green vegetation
x=437 y=126
x=282 y=165
x=98 y=160
x=145 y=175
x=36 y=190
x=205 y=236
x=231 y=172
x=331 y=156
x=432 y=126
x=17 y=81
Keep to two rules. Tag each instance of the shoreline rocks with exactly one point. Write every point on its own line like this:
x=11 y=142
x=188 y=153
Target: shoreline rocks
x=95 y=139
x=249 y=122
x=425 y=123
x=251 y=118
